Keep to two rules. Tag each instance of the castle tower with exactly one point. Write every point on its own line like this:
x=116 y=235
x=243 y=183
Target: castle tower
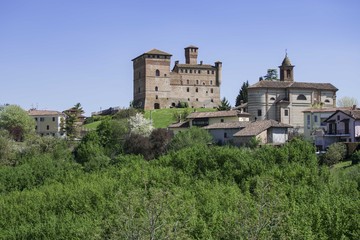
x=191 y=54
x=286 y=70
x=151 y=79
x=218 y=66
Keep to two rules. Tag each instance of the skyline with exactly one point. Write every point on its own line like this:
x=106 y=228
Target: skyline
x=54 y=55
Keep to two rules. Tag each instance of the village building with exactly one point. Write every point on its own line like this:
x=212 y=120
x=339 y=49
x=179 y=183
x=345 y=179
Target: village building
x=285 y=100
x=191 y=84
x=48 y=123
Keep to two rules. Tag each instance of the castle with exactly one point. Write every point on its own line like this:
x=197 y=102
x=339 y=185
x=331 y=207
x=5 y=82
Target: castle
x=193 y=84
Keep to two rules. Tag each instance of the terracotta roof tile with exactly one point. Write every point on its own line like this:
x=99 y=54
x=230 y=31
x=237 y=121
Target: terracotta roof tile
x=230 y=113
x=228 y=125
x=254 y=128
x=180 y=125
x=283 y=84
x=43 y=113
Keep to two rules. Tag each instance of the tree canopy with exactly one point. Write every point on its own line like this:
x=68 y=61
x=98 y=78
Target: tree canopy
x=243 y=94
x=224 y=105
x=17 y=122
x=347 y=102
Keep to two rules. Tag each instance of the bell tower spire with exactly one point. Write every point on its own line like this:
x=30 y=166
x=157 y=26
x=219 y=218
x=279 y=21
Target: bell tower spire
x=286 y=70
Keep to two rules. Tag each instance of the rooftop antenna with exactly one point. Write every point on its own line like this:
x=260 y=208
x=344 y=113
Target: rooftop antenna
x=286 y=52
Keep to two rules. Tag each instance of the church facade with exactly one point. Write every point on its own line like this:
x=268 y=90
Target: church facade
x=284 y=100
x=193 y=83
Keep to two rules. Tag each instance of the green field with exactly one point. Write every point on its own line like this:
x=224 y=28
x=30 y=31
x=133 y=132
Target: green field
x=164 y=117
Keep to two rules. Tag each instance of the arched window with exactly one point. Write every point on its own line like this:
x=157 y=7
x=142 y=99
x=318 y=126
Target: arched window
x=187 y=82
x=288 y=73
x=157 y=73
x=327 y=101
x=156 y=105
x=301 y=97
x=196 y=90
x=272 y=99
x=187 y=89
x=156 y=97
x=156 y=89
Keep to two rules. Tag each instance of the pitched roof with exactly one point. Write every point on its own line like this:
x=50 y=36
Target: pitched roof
x=255 y=128
x=185 y=124
x=228 y=125
x=352 y=113
x=283 y=84
x=154 y=52
x=35 y=112
x=230 y=113
x=315 y=110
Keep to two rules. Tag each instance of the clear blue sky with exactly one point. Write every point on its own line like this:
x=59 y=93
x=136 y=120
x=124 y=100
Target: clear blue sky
x=54 y=54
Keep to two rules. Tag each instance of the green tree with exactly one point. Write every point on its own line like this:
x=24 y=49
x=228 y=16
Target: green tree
x=335 y=153
x=71 y=123
x=271 y=74
x=17 y=122
x=224 y=105
x=190 y=137
x=243 y=94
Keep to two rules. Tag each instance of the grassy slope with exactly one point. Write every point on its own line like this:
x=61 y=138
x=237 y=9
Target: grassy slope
x=164 y=117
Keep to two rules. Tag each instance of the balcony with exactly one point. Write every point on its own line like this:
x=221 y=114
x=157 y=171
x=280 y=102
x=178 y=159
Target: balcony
x=337 y=133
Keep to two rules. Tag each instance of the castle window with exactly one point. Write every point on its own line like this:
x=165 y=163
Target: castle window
x=222 y=120
x=181 y=70
x=197 y=99
x=212 y=72
x=185 y=70
x=199 y=71
x=212 y=100
x=212 y=90
x=53 y=119
x=259 y=113
x=187 y=89
x=157 y=72
x=47 y=127
x=196 y=90
x=301 y=97
x=188 y=82
x=156 y=97
x=211 y=82
x=190 y=71
x=181 y=82
x=156 y=89
x=203 y=83
x=208 y=72
x=36 y=119
x=225 y=135
x=189 y=99
x=197 y=82
x=42 y=119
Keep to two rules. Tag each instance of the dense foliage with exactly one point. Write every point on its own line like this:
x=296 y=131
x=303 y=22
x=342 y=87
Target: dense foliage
x=192 y=192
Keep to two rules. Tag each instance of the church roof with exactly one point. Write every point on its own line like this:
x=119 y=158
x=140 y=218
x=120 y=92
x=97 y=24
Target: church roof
x=285 y=84
x=286 y=62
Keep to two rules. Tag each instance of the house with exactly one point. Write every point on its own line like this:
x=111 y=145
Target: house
x=342 y=126
x=285 y=100
x=178 y=127
x=157 y=86
x=223 y=132
x=267 y=131
x=48 y=123
x=202 y=119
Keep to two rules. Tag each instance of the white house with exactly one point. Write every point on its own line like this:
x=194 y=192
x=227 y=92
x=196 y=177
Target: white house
x=48 y=122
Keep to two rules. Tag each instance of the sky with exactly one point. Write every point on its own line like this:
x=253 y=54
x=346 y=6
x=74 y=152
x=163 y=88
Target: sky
x=54 y=54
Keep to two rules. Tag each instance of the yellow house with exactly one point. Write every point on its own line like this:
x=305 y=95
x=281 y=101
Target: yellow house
x=48 y=123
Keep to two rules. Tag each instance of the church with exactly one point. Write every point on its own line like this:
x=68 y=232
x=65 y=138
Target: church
x=284 y=100
x=191 y=84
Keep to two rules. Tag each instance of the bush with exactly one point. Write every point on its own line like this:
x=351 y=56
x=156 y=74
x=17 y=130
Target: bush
x=335 y=153
x=355 y=157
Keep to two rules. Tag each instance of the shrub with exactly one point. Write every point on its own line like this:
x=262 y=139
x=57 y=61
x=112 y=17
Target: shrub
x=335 y=153
x=355 y=157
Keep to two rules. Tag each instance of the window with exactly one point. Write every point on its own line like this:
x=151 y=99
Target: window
x=208 y=72
x=286 y=112
x=197 y=99
x=42 y=119
x=199 y=71
x=212 y=100
x=196 y=90
x=181 y=82
x=190 y=71
x=36 y=119
x=327 y=101
x=138 y=90
x=301 y=97
x=212 y=90
x=185 y=70
x=197 y=82
x=188 y=82
x=212 y=72
x=156 y=97
x=187 y=89
x=47 y=127
x=259 y=113
x=156 y=89
x=36 y=127
x=315 y=118
x=222 y=120
x=181 y=70
x=338 y=117
x=53 y=119
x=225 y=135
x=288 y=73
x=157 y=73
x=308 y=120
x=272 y=99
x=211 y=82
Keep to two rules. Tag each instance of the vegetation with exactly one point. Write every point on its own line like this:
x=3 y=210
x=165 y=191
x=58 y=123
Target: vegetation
x=347 y=102
x=224 y=105
x=195 y=192
x=243 y=94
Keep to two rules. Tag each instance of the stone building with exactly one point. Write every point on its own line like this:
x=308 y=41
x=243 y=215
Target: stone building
x=192 y=83
x=284 y=100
